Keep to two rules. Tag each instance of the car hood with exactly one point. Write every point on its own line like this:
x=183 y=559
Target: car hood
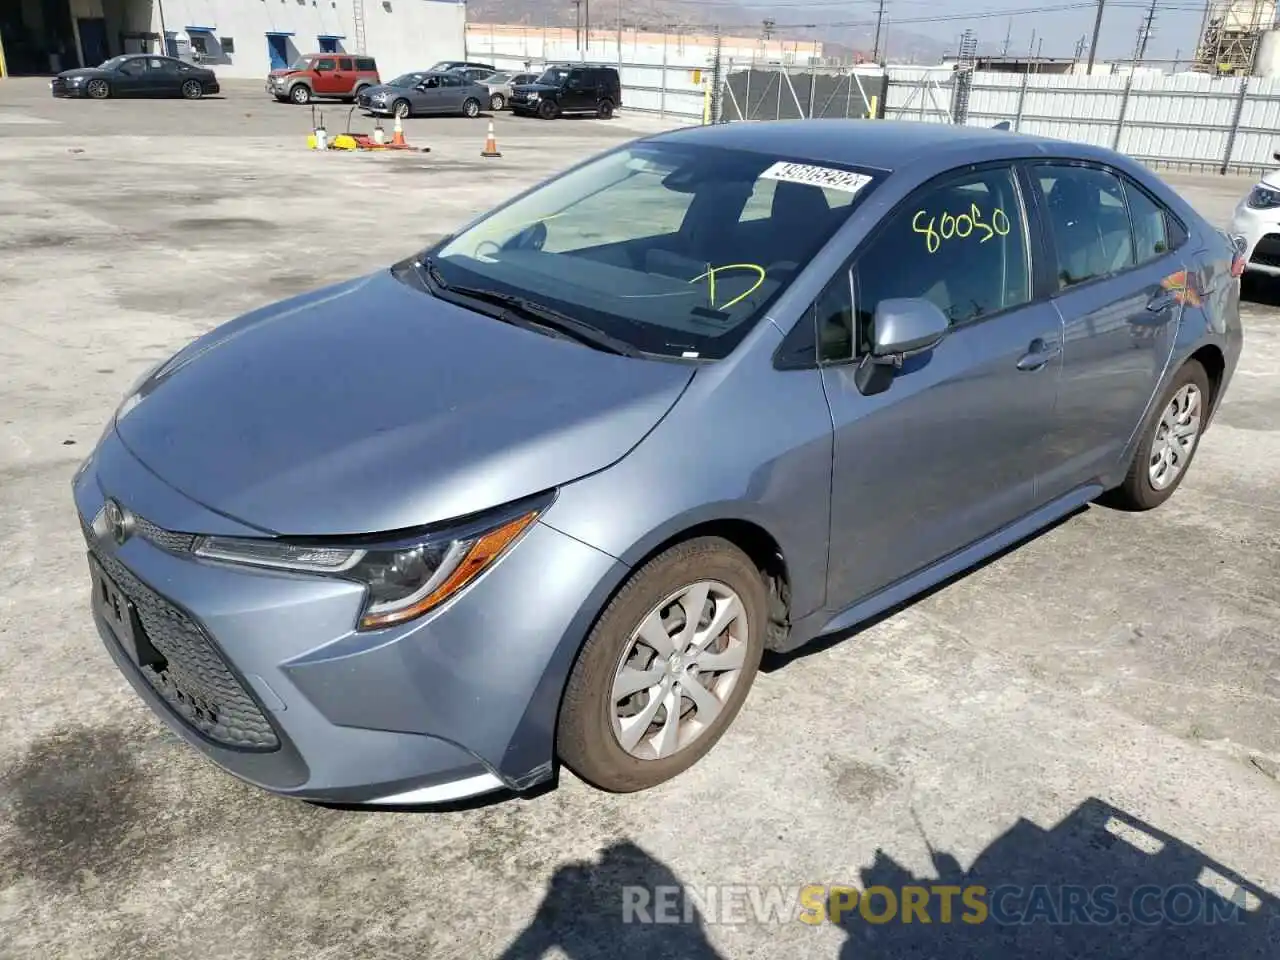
x=1271 y=179
x=284 y=72
x=371 y=406
x=82 y=72
x=387 y=88
x=537 y=87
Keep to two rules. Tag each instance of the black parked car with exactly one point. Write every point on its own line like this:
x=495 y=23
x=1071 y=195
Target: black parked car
x=136 y=75
x=569 y=89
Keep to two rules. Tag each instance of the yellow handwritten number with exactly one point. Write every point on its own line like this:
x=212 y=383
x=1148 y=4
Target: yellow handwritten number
x=997 y=216
x=931 y=239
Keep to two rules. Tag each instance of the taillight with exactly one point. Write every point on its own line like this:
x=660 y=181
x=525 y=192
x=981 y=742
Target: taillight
x=1237 y=265
x=1238 y=246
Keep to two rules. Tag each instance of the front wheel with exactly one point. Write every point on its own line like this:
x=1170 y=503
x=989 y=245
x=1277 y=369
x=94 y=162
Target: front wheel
x=192 y=90
x=400 y=109
x=665 y=669
x=1169 y=444
x=547 y=110
x=471 y=108
x=497 y=102
x=300 y=94
x=98 y=89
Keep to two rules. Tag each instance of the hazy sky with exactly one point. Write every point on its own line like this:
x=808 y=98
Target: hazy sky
x=1060 y=23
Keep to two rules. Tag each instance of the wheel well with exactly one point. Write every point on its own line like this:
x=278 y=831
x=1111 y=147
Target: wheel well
x=1215 y=365
x=763 y=550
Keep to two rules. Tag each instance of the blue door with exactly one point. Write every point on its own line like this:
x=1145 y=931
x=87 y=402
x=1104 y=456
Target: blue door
x=328 y=44
x=278 y=51
x=93 y=40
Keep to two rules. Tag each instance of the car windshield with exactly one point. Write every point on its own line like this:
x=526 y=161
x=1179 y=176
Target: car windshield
x=442 y=67
x=674 y=248
x=112 y=64
x=406 y=80
x=302 y=63
x=554 y=76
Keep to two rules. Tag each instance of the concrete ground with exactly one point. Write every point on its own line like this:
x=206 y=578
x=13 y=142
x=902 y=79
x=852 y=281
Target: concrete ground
x=1098 y=707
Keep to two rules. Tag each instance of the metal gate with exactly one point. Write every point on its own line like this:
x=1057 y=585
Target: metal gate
x=781 y=94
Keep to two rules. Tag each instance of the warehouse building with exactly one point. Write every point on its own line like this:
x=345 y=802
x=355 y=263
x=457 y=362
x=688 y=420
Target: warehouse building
x=237 y=38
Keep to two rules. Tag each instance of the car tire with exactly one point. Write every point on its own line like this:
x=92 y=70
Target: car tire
x=401 y=109
x=497 y=102
x=604 y=110
x=192 y=90
x=97 y=89
x=300 y=94
x=548 y=110
x=1160 y=464
x=620 y=649
x=471 y=108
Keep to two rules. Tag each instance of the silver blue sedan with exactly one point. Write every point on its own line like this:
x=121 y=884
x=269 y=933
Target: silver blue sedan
x=545 y=492
x=425 y=93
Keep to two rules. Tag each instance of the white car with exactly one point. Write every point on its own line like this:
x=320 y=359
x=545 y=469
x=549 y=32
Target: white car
x=1255 y=226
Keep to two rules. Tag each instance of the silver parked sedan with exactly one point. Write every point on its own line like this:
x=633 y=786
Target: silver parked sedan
x=499 y=86
x=423 y=94
x=545 y=492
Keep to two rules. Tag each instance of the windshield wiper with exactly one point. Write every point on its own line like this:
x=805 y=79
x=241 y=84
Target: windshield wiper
x=525 y=312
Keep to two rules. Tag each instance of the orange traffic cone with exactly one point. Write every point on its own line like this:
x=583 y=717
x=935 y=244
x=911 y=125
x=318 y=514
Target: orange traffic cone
x=490 y=144
x=397 y=138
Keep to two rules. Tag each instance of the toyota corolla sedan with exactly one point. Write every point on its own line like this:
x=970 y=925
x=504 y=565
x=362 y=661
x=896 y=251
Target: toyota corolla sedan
x=544 y=492
x=1255 y=226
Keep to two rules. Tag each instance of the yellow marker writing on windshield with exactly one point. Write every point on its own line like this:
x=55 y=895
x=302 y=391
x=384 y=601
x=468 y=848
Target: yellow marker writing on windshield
x=710 y=277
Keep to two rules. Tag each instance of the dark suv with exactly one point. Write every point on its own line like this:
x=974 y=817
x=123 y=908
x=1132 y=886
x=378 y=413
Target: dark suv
x=568 y=88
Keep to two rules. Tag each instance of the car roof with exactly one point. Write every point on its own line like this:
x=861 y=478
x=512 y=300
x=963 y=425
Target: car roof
x=882 y=144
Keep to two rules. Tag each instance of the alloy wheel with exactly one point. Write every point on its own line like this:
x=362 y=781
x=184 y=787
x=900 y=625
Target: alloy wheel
x=98 y=89
x=497 y=102
x=1176 y=437
x=678 y=669
x=192 y=90
x=401 y=109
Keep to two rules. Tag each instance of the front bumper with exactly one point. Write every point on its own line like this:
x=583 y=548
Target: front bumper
x=266 y=677
x=1261 y=232
x=60 y=88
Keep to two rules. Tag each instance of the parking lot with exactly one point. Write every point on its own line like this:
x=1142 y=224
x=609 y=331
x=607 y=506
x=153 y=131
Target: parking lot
x=1100 y=706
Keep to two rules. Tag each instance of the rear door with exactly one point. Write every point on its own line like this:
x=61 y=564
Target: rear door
x=344 y=76
x=948 y=454
x=579 y=90
x=163 y=77
x=1121 y=285
x=453 y=90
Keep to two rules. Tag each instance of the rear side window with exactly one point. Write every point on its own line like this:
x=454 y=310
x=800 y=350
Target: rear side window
x=961 y=244
x=1089 y=222
x=344 y=63
x=364 y=63
x=1150 y=227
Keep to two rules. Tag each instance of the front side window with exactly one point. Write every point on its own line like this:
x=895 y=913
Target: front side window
x=961 y=244
x=648 y=242
x=326 y=64
x=1087 y=216
x=451 y=81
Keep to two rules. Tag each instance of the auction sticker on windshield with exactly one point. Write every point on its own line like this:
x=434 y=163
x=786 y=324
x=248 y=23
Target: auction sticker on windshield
x=828 y=177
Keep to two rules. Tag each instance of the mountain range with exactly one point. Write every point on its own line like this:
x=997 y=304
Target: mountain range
x=690 y=15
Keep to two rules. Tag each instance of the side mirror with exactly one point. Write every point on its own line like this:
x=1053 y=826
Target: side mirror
x=903 y=328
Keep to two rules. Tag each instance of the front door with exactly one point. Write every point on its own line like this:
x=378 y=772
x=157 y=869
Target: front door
x=130 y=78
x=323 y=80
x=948 y=454
x=429 y=95
x=93 y=40
x=1122 y=286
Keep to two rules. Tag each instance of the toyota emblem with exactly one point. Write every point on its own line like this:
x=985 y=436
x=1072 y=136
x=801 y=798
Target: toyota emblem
x=118 y=521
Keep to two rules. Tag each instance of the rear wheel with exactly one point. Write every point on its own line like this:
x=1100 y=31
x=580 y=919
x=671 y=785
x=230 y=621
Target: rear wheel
x=192 y=90
x=400 y=109
x=605 y=110
x=300 y=94
x=666 y=668
x=497 y=102
x=471 y=107
x=1170 y=443
x=98 y=89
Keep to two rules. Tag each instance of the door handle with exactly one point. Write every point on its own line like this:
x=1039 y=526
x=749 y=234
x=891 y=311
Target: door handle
x=1039 y=355
x=1162 y=301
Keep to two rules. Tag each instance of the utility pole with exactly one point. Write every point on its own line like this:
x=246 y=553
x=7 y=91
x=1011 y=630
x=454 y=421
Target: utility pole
x=875 y=50
x=577 y=23
x=1008 y=37
x=1093 y=46
x=619 y=38
x=1144 y=32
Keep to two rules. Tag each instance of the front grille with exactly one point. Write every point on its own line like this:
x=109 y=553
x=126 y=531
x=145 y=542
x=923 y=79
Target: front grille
x=162 y=538
x=58 y=86
x=1267 y=252
x=364 y=100
x=194 y=679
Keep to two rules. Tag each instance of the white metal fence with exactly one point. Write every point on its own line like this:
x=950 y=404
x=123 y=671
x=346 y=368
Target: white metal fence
x=1231 y=125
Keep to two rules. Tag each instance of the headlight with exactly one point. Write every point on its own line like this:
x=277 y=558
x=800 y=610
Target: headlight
x=533 y=96
x=1264 y=198
x=404 y=579
x=133 y=396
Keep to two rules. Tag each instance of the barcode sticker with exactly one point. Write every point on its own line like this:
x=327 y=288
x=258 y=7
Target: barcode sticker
x=828 y=177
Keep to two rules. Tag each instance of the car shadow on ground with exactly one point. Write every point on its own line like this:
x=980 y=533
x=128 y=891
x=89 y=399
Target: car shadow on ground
x=1263 y=291
x=1101 y=883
